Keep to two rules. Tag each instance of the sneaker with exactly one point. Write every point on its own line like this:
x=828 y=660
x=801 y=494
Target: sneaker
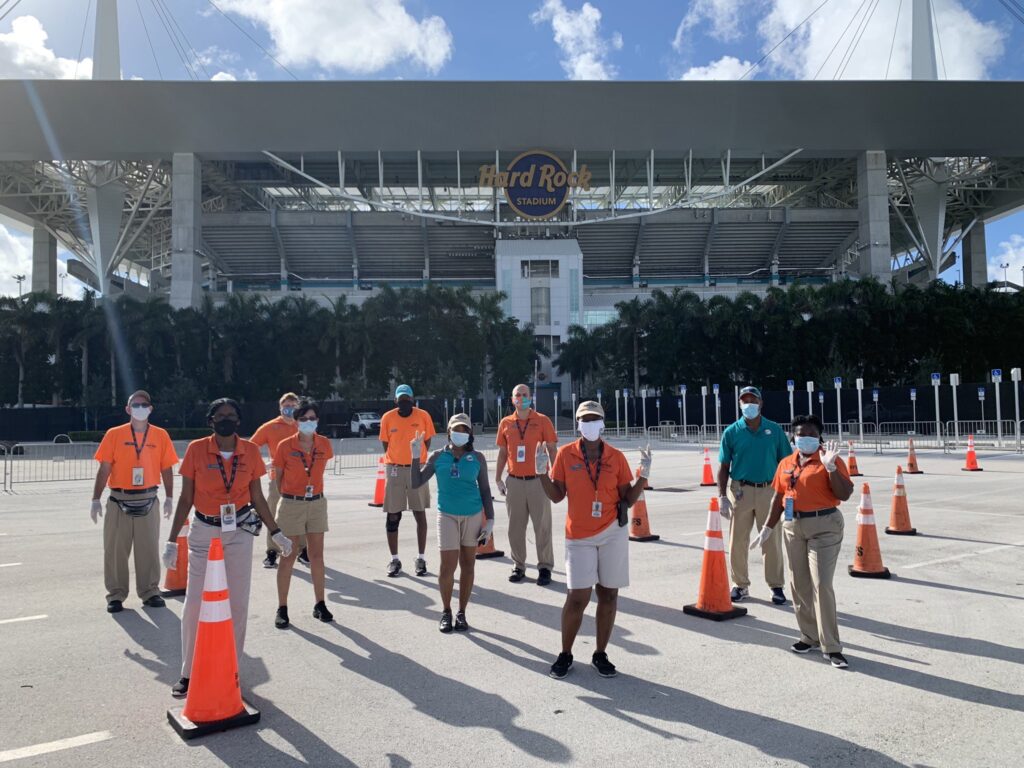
x=304 y=557
x=604 y=667
x=837 y=659
x=778 y=596
x=561 y=666
x=445 y=625
x=180 y=689
x=421 y=566
x=154 y=601
x=800 y=647
x=281 y=620
x=320 y=612
x=544 y=577
x=270 y=561
x=517 y=575
x=394 y=568
x=739 y=593
x=114 y=606
x=460 y=622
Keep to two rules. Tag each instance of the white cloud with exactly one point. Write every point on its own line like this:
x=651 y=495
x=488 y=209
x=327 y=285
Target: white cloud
x=25 y=54
x=722 y=15
x=1010 y=252
x=15 y=259
x=578 y=34
x=726 y=68
x=358 y=36
x=224 y=76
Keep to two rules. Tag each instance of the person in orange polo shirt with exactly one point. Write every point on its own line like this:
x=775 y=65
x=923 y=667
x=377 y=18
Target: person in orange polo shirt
x=268 y=436
x=518 y=437
x=595 y=477
x=398 y=427
x=299 y=464
x=809 y=486
x=220 y=478
x=134 y=458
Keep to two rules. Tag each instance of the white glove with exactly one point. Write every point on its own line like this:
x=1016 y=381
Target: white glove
x=725 y=507
x=542 y=459
x=283 y=542
x=501 y=487
x=485 y=533
x=97 y=510
x=829 y=455
x=168 y=507
x=416 y=445
x=762 y=537
x=170 y=555
x=645 y=462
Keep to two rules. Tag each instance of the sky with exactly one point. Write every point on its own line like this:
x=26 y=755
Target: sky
x=522 y=40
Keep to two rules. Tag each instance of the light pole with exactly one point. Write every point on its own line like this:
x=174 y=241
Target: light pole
x=60 y=290
x=1004 y=267
x=19 y=279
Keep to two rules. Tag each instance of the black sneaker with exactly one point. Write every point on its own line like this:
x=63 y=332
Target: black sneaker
x=561 y=666
x=304 y=557
x=281 y=620
x=394 y=567
x=180 y=689
x=739 y=593
x=445 y=625
x=270 y=561
x=154 y=601
x=544 y=577
x=320 y=612
x=800 y=647
x=838 y=660
x=604 y=667
x=461 y=625
x=518 y=574
x=421 y=566
x=114 y=606
x=778 y=596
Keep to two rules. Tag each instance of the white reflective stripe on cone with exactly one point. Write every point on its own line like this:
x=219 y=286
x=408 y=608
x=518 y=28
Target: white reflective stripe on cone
x=865 y=519
x=215 y=611
x=714 y=544
x=216 y=577
x=714 y=521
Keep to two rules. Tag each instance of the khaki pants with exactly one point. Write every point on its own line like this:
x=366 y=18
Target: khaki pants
x=399 y=495
x=525 y=501
x=813 y=544
x=121 y=533
x=238 y=567
x=750 y=505
x=273 y=501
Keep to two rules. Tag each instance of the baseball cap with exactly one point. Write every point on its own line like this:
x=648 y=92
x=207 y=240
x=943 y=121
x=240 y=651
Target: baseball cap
x=403 y=389
x=460 y=419
x=588 y=408
x=751 y=391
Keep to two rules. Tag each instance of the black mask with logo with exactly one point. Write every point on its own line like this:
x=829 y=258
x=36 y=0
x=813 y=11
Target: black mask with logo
x=404 y=407
x=225 y=428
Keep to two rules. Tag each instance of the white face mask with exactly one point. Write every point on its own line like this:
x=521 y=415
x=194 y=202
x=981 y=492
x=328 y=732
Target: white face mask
x=459 y=439
x=307 y=427
x=141 y=412
x=591 y=430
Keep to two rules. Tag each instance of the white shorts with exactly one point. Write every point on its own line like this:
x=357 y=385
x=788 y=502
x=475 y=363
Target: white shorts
x=602 y=559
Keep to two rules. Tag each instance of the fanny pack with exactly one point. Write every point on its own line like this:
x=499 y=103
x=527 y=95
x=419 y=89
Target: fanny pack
x=135 y=508
x=251 y=523
x=623 y=510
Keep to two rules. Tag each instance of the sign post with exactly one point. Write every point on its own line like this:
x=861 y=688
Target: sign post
x=625 y=409
x=838 y=383
x=643 y=406
x=682 y=407
x=718 y=412
x=821 y=405
x=617 y=422
x=1015 y=378
x=704 y=408
x=997 y=379
x=860 y=408
x=790 y=386
x=810 y=395
x=936 y=381
x=954 y=381
x=874 y=399
x=556 y=413
x=981 y=401
x=913 y=406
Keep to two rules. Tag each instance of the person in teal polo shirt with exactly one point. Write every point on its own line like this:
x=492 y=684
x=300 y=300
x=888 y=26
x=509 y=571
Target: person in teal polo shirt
x=463 y=493
x=750 y=451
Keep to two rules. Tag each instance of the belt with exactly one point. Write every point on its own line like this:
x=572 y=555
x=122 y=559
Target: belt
x=524 y=477
x=211 y=520
x=754 y=485
x=816 y=513
x=301 y=498
x=399 y=465
x=135 y=491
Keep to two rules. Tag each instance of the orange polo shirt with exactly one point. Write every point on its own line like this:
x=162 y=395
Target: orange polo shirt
x=536 y=428
x=571 y=470
x=200 y=465
x=118 y=448
x=398 y=431
x=809 y=483
x=273 y=432
x=291 y=462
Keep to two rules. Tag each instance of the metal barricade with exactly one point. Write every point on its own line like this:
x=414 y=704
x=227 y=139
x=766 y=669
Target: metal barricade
x=49 y=462
x=986 y=433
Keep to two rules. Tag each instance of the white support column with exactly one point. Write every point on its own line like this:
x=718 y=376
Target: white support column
x=186 y=230
x=873 y=205
x=105 y=205
x=922 y=63
x=106 y=64
x=44 y=260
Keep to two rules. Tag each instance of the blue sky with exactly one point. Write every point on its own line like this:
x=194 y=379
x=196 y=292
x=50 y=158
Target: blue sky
x=533 y=40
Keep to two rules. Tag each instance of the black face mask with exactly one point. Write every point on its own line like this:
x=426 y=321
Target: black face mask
x=404 y=407
x=225 y=428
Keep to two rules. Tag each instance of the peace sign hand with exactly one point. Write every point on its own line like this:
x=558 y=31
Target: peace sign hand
x=645 y=462
x=416 y=445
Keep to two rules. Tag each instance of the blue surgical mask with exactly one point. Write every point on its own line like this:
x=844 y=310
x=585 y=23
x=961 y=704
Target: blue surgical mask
x=750 y=410
x=308 y=427
x=526 y=402
x=287 y=411
x=459 y=439
x=808 y=445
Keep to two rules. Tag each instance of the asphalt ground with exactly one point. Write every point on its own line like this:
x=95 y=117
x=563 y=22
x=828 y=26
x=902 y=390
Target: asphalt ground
x=935 y=677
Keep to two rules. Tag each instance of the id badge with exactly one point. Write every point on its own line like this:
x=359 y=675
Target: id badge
x=138 y=476
x=595 y=509
x=520 y=453
x=454 y=474
x=394 y=470
x=227 y=517
x=309 y=491
x=788 y=508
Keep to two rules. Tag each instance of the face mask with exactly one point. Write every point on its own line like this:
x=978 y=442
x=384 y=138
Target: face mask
x=750 y=410
x=141 y=412
x=591 y=430
x=404 y=407
x=808 y=445
x=225 y=428
x=525 y=402
x=287 y=411
x=459 y=439
x=307 y=427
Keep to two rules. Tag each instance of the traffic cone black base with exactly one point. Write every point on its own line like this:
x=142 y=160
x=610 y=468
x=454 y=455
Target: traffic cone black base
x=735 y=613
x=172 y=592
x=488 y=555
x=910 y=532
x=882 y=574
x=652 y=537
x=189 y=730
x=976 y=469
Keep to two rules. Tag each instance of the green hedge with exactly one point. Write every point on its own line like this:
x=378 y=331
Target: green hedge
x=176 y=433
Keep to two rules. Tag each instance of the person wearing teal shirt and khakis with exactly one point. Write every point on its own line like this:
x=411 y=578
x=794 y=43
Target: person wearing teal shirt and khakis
x=749 y=454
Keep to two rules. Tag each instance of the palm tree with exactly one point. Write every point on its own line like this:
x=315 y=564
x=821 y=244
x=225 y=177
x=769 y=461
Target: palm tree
x=20 y=324
x=92 y=326
x=632 y=324
x=580 y=355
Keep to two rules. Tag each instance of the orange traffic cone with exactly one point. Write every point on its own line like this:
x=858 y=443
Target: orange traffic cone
x=867 y=560
x=971 y=465
x=851 y=461
x=899 y=518
x=214 y=701
x=708 y=477
x=713 y=598
x=378 y=489
x=639 y=525
x=488 y=550
x=176 y=578
x=912 y=468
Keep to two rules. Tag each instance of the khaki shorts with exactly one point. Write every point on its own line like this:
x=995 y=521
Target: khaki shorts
x=399 y=495
x=454 y=531
x=297 y=518
x=600 y=559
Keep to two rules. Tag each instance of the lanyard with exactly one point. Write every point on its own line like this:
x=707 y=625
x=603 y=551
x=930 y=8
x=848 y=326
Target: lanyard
x=138 y=448
x=797 y=471
x=312 y=460
x=223 y=474
x=522 y=432
x=597 y=476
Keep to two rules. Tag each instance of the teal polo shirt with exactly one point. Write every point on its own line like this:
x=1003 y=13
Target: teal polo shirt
x=753 y=455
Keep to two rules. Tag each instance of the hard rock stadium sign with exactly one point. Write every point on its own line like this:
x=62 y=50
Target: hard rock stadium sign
x=536 y=183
